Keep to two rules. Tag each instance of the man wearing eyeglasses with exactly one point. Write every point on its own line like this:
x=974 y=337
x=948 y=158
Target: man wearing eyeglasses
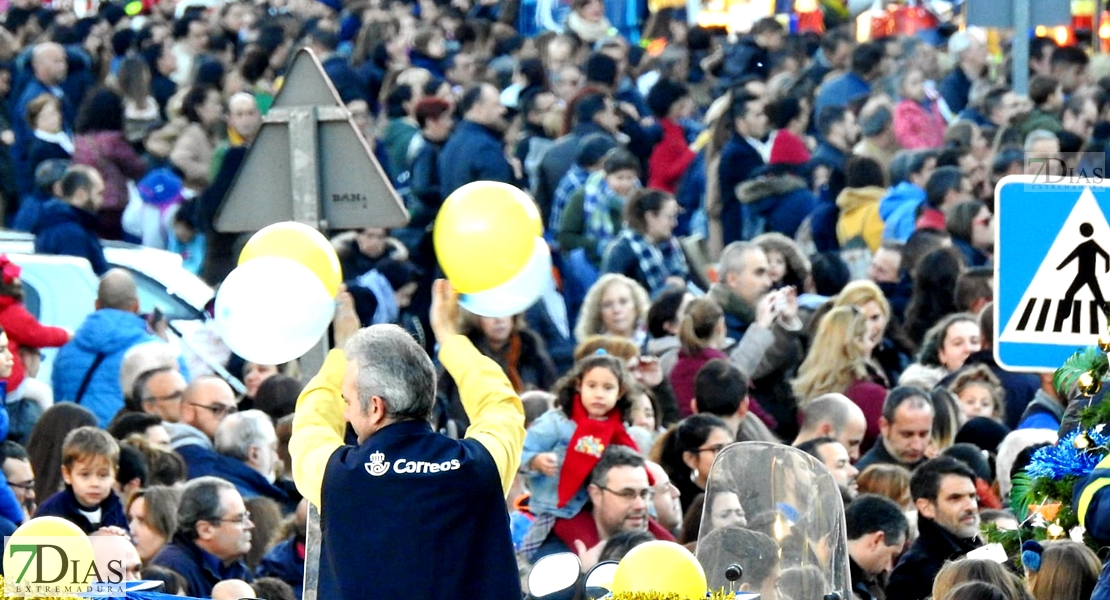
x=20 y=476
x=213 y=535
x=408 y=512
x=159 y=392
x=620 y=499
x=204 y=403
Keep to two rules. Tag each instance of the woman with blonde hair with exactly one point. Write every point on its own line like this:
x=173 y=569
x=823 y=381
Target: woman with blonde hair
x=892 y=348
x=614 y=305
x=839 y=361
x=702 y=333
x=1062 y=570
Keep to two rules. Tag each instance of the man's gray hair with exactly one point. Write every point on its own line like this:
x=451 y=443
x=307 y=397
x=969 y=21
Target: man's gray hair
x=200 y=501
x=392 y=366
x=1038 y=135
x=733 y=258
x=144 y=357
x=237 y=433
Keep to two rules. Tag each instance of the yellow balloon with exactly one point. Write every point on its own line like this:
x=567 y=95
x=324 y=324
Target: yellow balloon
x=485 y=234
x=61 y=533
x=300 y=243
x=663 y=567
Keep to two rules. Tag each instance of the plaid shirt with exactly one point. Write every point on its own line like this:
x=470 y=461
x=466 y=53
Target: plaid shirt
x=570 y=183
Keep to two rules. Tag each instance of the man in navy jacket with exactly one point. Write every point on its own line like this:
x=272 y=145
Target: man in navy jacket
x=475 y=151
x=409 y=513
x=69 y=226
x=213 y=535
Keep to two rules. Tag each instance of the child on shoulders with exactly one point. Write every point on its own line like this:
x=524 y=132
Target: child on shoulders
x=564 y=444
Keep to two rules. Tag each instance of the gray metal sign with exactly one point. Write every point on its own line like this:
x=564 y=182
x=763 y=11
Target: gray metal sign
x=311 y=164
x=992 y=13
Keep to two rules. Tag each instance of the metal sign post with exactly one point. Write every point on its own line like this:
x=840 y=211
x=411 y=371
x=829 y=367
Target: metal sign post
x=310 y=164
x=1018 y=15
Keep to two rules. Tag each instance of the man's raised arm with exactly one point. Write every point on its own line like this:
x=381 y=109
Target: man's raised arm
x=496 y=414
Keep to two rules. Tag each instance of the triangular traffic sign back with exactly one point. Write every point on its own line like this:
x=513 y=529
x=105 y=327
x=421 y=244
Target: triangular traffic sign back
x=329 y=180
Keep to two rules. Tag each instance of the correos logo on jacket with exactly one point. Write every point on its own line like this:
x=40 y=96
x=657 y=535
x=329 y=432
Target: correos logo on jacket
x=379 y=466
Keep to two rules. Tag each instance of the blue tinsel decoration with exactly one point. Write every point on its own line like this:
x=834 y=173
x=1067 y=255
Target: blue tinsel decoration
x=1064 y=459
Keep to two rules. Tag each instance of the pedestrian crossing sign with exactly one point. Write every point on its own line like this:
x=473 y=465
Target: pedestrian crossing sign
x=1052 y=270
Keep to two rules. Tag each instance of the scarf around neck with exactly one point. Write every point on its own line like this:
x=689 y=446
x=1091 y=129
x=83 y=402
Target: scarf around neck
x=591 y=438
x=657 y=261
x=600 y=203
x=589 y=31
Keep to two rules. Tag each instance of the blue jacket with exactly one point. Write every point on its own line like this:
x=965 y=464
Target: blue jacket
x=431 y=497
x=739 y=160
x=899 y=211
x=64 y=229
x=973 y=257
x=346 y=80
x=201 y=570
x=202 y=462
x=841 y=91
x=955 y=88
x=64 y=504
x=21 y=149
x=473 y=153
x=781 y=202
x=108 y=331
x=283 y=562
x=550 y=432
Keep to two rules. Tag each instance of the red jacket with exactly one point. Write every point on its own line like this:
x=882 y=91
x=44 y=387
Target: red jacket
x=918 y=127
x=24 y=330
x=683 y=374
x=670 y=158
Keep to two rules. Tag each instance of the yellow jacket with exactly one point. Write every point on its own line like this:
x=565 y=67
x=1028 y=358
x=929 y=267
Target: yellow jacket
x=496 y=414
x=859 y=216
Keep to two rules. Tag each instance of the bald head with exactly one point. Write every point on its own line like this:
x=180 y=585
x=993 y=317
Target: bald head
x=243 y=115
x=117 y=290
x=48 y=61
x=232 y=589
x=206 y=402
x=835 y=416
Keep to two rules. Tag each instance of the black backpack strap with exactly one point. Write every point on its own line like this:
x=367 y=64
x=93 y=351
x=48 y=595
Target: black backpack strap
x=100 y=356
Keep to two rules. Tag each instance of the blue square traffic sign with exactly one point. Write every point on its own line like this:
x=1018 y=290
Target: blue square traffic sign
x=1052 y=271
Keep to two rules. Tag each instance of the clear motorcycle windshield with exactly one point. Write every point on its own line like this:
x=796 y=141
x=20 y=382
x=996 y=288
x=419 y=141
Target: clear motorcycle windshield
x=777 y=513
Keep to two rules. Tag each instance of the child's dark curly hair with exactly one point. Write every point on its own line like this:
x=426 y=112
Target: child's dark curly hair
x=567 y=387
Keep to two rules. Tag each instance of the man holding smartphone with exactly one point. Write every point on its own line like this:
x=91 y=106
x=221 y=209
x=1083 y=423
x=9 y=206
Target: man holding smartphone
x=766 y=323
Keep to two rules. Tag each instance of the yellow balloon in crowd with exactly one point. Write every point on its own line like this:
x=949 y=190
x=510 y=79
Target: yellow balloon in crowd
x=663 y=567
x=64 y=535
x=485 y=234
x=300 y=243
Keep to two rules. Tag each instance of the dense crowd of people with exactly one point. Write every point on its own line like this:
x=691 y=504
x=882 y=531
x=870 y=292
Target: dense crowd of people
x=778 y=237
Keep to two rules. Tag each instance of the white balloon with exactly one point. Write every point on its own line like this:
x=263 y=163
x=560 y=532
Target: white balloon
x=517 y=294
x=271 y=310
